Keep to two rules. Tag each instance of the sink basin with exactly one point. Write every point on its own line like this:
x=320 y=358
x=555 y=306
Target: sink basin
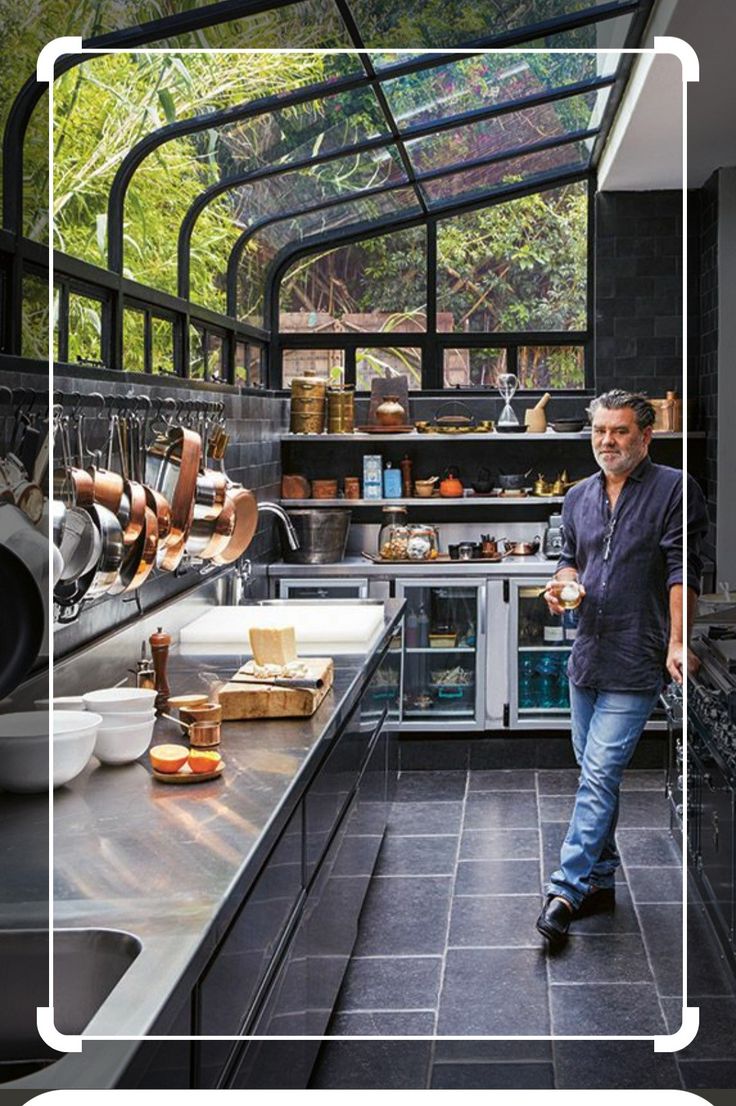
x=87 y=965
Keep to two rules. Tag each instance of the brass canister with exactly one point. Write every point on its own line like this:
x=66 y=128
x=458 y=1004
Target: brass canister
x=341 y=410
x=308 y=403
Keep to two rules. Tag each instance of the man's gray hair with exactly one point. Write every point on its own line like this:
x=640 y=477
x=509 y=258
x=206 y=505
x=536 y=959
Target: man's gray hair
x=618 y=398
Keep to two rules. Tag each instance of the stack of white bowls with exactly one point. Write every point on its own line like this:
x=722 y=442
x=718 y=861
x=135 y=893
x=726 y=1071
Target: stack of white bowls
x=24 y=747
x=128 y=718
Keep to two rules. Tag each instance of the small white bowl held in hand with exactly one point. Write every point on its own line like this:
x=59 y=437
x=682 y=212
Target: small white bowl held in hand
x=121 y=700
x=24 y=748
x=123 y=744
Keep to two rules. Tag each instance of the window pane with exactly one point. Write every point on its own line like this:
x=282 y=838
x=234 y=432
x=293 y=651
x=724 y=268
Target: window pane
x=35 y=319
x=472 y=368
x=484 y=179
x=196 y=353
x=483 y=81
x=241 y=364
x=134 y=329
x=255 y=366
x=551 y=367
x=516 y=266
x=85 y=328
x=162 y=345
x=328 y=363
x=431 y=23
x=215 y=354
x=386 y=362
x=375 y=286
x=505 y=133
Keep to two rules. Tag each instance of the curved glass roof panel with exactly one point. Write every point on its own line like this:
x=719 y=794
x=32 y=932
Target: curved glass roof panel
x=481 y=180
x=483 y=81
x=384 y=23
x=504 y=134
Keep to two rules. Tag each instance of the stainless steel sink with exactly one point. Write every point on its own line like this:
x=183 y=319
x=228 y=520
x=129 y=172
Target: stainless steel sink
x=87 y=965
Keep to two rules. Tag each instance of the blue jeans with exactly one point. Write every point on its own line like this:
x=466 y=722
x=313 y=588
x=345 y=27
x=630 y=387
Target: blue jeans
x=606 y=726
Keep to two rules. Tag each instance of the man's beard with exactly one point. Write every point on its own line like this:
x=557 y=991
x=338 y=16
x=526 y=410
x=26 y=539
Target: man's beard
x=619 y=461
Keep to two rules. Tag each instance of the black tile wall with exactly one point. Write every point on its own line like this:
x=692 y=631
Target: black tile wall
x=638 y=291
x=707 y=367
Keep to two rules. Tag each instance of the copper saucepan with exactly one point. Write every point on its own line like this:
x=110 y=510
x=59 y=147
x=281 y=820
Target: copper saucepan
x=246 y=523
x=180 y=467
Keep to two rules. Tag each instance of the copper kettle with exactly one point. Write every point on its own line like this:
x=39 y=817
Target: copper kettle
x=451 y=485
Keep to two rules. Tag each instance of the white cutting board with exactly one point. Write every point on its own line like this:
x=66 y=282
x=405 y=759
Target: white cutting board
x=319 y=630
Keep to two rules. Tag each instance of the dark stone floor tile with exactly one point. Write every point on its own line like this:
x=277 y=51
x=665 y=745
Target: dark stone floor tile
x=605 y=958
x=500 y=844
x=497 y=877
x=643 y=808
x=643 y=779
x=708 y=972
x=661 y=927
x=486 y=810
x=716 y=1039
x=647 y=846
x=708 y=1074
x=557 y=781
x=433 y=755
x=583 y=1065
x=415 y=856
x=502 y=779
x=404 y=916
x=433 y=818
x=487 y=1052
x=621 y=920
x=605 y=1009
x=467 y=1077
x=391 y=983
x=495 y=920
x=430 y=786
x=660 y=884
x=379 y=1065
x=556 y=808
x=494 y=992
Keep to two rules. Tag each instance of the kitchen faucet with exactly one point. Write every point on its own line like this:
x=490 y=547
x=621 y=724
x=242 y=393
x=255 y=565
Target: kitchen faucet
x=276 y=509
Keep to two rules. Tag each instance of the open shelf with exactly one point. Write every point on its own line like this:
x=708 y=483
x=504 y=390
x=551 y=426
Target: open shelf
x=435 y=500
x=493 y=436
x=554 y=647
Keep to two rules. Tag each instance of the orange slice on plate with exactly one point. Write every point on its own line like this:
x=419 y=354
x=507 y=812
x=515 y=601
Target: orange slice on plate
x=168 y=758
x=204 y=760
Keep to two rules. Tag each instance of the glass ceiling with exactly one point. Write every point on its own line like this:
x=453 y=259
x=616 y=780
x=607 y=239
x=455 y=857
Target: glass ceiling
x=360 y=139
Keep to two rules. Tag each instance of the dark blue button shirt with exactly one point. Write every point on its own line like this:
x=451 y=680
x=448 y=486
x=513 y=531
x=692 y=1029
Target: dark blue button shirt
x=628 y=560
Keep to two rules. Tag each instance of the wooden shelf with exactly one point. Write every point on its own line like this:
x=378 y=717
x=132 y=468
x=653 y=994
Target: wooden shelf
x=435 y=501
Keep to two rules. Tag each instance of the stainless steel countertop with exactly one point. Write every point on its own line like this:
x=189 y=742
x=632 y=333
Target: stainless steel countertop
x=173 y=864
x=534 y=565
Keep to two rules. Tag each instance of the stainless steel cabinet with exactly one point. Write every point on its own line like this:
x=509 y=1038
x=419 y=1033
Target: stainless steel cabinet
x=444 y=654
x=322 y=587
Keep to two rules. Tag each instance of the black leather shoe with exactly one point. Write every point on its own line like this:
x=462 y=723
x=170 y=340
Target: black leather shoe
x=600 y=901
x=554 y=921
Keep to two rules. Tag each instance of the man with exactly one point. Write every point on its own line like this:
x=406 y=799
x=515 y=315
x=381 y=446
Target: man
x=623 y=544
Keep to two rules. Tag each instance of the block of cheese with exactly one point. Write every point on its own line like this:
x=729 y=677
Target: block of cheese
x=273 y=644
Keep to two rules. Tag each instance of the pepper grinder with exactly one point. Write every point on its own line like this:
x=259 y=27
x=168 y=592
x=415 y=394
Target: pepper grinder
x=160 y=644
x=406 y=477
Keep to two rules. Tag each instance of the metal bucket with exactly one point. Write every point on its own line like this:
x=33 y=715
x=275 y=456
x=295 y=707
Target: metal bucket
x=323 y=536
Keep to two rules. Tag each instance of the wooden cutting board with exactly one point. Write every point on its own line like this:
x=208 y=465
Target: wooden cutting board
x=243 y=701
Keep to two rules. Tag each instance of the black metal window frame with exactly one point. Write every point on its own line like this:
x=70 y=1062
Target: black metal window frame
x=432 y=342
x=116 y=290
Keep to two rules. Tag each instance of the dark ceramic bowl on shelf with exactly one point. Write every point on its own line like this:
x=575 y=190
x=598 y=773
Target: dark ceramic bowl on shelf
x=513 y=429
x=568 y=426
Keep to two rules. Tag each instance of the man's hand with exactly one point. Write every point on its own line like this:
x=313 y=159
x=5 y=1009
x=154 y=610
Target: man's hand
x=675 y=660
x=693 y=662
x=552 y=593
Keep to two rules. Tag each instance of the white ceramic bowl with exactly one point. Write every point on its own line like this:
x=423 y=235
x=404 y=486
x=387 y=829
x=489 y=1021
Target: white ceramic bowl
x=120 y=699
x=24 y=748
x=123 y=744
x=126 y=717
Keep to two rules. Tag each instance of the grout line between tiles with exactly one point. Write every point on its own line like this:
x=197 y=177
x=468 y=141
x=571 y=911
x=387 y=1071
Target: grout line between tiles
x=542 y=879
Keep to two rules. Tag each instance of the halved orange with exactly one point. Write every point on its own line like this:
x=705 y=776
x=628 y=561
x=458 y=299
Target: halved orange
x=168 y=758
x=203 y=760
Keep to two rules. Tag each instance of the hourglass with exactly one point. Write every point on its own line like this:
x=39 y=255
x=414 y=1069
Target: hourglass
x=507 y=385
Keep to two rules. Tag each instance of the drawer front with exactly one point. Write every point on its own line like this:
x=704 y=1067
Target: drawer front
x=227 y=990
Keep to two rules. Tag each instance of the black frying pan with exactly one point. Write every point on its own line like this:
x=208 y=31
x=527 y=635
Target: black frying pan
x=23 y=616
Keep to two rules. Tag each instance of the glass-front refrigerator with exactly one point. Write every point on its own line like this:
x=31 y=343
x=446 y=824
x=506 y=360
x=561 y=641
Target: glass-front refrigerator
x=444 y=654
x=539 y=644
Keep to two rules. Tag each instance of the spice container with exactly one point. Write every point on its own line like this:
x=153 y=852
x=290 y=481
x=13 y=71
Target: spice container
x=308 y=403
x=324 y=489
x=341 y=410
x=351 y=486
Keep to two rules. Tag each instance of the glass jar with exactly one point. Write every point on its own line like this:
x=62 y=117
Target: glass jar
x=393 y=537
x=423 y=543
